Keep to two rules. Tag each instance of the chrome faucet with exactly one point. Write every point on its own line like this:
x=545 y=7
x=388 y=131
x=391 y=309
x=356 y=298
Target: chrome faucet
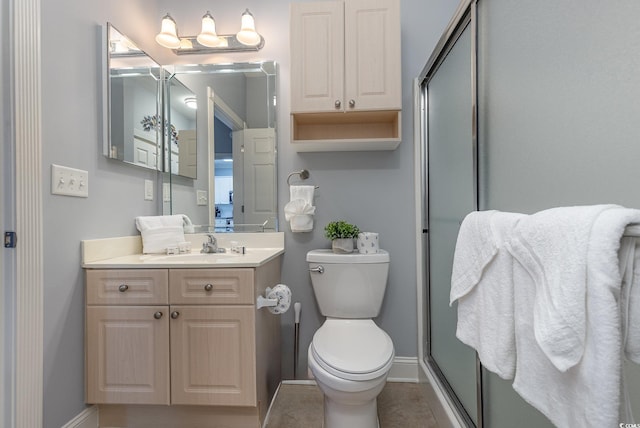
x=211 y=246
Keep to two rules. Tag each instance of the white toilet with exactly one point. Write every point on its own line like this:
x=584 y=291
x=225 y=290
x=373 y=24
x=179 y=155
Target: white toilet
x=350 y=356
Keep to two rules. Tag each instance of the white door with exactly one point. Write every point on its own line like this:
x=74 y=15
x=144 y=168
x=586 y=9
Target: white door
x=259 y=175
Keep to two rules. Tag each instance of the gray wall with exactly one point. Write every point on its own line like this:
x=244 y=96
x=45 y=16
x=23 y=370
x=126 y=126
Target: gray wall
x=374 y=190
x=559 y=113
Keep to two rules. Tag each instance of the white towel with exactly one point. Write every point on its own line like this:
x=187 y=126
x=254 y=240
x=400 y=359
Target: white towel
x=483 y=285
x=630 y=297
x=299 y=210
x=587 y=394
x=160 y=232
x=552 y=246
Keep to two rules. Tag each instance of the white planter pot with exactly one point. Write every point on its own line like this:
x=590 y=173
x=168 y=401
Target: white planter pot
x=342 y=245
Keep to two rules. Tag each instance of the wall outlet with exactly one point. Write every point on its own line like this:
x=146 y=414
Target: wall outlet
x=69 y=181
x=201 y=197
x=148 y=190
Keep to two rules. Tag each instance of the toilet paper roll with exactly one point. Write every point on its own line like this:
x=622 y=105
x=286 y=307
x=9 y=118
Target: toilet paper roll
x=368 y=243
x=283 y=294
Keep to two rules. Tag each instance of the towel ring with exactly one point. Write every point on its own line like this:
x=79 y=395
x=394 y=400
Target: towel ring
x=304 y=174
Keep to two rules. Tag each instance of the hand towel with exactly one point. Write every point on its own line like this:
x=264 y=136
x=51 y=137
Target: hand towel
x=630 y=297
x=552 y=246
x=588 y=393
x=299 y=210
x=160 y=232
x=482 y=282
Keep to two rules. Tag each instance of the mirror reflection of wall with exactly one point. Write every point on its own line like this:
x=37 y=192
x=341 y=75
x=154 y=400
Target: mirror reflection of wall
x=180 y=134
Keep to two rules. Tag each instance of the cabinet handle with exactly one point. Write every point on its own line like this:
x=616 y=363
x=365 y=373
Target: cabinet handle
x=175 y=314
x=208 y=287
x=352 y=103
x=123 y=288
x=338 y=104
x=157 y=315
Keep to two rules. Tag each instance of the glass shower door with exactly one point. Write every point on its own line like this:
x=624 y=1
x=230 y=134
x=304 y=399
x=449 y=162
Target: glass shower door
x=452 y=194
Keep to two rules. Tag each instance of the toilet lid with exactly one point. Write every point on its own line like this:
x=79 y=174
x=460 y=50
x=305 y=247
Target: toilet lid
x=353 y=349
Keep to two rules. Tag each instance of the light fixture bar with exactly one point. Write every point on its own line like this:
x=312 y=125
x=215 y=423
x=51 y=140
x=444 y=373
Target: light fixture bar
x=228 y=43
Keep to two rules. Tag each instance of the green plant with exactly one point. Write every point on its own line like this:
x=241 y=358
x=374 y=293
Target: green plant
x=340 y=229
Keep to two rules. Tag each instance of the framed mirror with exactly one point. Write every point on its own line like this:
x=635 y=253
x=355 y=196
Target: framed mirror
x=132 y=87
x=235 y=188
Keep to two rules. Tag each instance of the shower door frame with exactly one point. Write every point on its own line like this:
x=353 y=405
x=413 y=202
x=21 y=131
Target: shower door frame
x=465 y=16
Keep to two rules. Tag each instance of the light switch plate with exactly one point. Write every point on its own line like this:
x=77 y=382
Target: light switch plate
x=148 y=190
x=166 y=192
x=201 y=197
x=69 y=181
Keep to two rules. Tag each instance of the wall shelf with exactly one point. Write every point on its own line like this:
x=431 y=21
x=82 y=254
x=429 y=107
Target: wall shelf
x=350 y=131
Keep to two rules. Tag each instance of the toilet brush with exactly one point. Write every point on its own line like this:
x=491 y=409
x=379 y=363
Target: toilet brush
x=296 y=339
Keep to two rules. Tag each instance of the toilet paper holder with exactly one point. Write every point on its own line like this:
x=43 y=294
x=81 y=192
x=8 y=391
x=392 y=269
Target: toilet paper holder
x=277 y=300
x=263 y=302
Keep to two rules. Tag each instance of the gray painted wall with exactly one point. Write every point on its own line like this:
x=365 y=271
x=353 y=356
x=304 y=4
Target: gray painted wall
x=374 y=190
x=559 y=112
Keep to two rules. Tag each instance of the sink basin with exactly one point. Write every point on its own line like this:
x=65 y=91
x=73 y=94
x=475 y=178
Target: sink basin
x=191 y=258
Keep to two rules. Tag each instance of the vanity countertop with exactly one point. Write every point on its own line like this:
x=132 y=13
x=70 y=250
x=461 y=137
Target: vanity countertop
x=126 y=253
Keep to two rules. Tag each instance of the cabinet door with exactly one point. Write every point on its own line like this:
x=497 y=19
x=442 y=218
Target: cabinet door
x=317 y=56
x=127 y=354
x=213 y=355
x=372 y=55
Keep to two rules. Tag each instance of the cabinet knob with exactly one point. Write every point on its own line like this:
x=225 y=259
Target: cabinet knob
x=352 y=103
x=157 y=315
x=175 y=314
x=338 y=104
x=123 y=288
x=208 y=287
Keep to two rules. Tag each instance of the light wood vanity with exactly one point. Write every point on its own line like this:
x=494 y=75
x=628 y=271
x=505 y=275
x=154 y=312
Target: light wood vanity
x=169 y=344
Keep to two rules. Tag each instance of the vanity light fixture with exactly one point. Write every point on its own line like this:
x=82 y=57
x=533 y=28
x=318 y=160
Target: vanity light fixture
x=208 y=41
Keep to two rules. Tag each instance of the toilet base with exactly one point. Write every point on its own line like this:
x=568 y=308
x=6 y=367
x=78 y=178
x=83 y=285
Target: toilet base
x=340 y=415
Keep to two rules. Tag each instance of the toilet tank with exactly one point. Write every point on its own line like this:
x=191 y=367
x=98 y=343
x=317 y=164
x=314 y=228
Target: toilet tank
x=350 y=285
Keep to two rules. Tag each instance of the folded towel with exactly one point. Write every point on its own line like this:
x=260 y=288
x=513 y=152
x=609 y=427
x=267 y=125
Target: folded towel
x=302 y=192
x=483 y=285
x=160 y=232
x=299 y=210
x=552 y=246
x=588 y=393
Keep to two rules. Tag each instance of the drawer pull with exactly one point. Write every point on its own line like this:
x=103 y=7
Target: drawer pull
x=175 y=314
x=208 y=287
x=123 y=288
x=157 y=315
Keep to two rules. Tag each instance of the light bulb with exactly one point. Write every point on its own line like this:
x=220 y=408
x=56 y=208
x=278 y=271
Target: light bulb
x=168 y=35
x=247 y=34
x=208 y=36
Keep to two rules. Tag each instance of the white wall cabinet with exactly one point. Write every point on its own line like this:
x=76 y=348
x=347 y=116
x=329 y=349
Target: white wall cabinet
x=181 y=337
x=346 y=90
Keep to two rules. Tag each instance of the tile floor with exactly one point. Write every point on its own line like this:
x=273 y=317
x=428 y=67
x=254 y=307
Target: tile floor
x=400 y=405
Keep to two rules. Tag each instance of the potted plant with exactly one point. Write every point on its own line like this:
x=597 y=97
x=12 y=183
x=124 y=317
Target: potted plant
x=341 y=235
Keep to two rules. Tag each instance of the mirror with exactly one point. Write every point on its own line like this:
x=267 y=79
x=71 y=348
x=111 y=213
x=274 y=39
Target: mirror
x=180 y=148
x=132 y=89
x=235 y=188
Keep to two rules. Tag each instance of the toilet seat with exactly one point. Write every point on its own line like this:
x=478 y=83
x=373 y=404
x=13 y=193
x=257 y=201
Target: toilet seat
x=353 y=349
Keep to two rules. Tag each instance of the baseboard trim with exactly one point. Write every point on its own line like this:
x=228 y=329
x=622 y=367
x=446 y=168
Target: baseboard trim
x=88 y=418
x=404 y=369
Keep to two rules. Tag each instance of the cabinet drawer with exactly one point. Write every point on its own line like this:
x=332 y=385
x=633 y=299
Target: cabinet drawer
x=127 y=287
x=211 y=286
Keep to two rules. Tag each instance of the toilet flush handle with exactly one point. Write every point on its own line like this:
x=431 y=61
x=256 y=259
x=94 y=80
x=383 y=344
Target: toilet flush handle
x=318 y=269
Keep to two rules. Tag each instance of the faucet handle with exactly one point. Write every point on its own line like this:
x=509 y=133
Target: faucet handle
x=211 y=238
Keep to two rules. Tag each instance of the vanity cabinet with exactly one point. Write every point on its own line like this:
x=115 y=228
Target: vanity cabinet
x=181 y=337
x=346 y=87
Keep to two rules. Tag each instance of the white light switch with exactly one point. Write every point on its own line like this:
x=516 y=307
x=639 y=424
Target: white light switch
x=69 y=181
x=201 y=197
x=166 y=192
x=148 y=190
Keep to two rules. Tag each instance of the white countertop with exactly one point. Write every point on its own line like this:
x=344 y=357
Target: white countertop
x=125 y=253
